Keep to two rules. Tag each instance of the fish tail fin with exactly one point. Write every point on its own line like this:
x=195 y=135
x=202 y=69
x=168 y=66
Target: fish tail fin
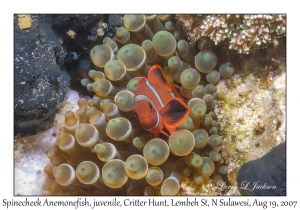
x=174 y=113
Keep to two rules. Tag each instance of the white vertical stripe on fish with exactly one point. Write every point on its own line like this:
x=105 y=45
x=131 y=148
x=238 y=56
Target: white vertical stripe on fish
x=172 y=94
x=155 y=93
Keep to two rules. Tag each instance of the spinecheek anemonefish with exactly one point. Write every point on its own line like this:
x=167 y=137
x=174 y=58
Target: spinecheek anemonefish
x=158 y=105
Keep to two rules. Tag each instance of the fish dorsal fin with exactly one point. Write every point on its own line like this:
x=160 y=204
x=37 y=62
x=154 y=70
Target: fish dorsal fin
x=174 y=112
x=158 y=79
x=141 y=82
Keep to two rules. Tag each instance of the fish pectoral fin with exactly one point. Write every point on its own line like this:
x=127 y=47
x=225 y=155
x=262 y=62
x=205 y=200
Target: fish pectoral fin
x=174 y=112
x=157 y=78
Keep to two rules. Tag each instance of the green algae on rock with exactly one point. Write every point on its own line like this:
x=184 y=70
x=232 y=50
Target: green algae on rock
x=249 y=130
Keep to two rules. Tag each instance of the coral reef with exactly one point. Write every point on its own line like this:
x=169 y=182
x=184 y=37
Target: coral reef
x=101 y=148
x=109 y=138
x=242 y=31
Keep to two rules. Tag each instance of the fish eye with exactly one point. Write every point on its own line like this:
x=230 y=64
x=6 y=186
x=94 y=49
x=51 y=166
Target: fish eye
x=135 y=114
x=150 y=106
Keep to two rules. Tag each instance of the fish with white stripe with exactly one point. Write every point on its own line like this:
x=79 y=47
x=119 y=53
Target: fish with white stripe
x=158 y=105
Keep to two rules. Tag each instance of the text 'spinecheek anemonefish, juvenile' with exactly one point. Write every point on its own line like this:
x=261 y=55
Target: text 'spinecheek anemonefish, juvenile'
x=158 y=105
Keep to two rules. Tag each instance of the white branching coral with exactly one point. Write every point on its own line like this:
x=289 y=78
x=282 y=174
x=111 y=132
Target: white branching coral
x=215 y=27
x=243 y=31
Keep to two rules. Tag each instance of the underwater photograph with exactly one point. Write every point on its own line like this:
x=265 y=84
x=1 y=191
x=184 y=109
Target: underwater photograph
x=149 y=104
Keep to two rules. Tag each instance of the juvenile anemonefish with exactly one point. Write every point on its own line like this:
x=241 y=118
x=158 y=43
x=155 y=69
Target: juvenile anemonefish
x=158 y=105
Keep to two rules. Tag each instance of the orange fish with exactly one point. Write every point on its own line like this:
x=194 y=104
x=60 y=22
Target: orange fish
x=158 y=105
